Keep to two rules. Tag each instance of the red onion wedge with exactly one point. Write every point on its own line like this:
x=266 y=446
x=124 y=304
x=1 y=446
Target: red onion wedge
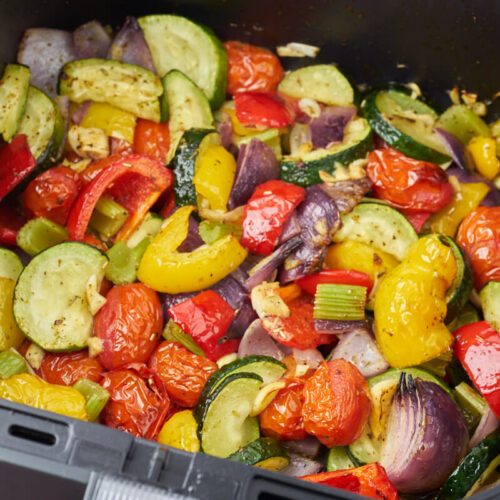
x=80 y=111
x=329 y=127
x=347 y=194
x=426 y=436
x=266 y=267
x=359 y=347
x=301 y=466
x=488 y=423
x=46 y=51
x=256 y=164
x=225 y=128
x=455 y=148
x=245 y=316
x=492 y=199
x=337 y=326
x=130 y=46
x=309 y=357
x=291 y=228
x=257 y=341
x=91 y=40
x=308 y=447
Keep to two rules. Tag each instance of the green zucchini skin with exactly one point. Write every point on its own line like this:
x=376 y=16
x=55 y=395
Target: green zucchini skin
x=395 y=137
x=258 y=451
x=183 y=165
x=470 y=469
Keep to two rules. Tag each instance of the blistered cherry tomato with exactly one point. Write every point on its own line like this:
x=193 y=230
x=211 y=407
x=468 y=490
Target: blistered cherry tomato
x=251 y=68
x=479 y=236
x=52 y=194
x=129 y=325
x=68 y=368
x=297 y=330
x=406 y=183
x=336 y=403
x=282 y=418
x=183 y=373
x=133 y=407
x=152 y=139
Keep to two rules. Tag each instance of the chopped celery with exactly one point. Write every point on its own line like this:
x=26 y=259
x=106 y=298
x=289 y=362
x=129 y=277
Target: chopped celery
x=212 y=230
x=124 y=261
x=340 y=302
x=40 y=233
x=95 y=395
x=148 y=228
x=471 y=403
x=174 y=333
x=12 y=363
x=108 y=217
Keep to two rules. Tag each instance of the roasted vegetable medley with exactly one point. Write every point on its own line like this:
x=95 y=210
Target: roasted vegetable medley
x=274 y=267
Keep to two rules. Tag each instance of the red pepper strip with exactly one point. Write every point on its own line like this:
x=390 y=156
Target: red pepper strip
x=336 y=276
x=149 y=168
x=417 y=220
x=16 y=163
x=265 y=109
x=372 y=481
x=477 y=347
x=169 y=204
x=265 y=213
x=10 y=223
x=206 y=317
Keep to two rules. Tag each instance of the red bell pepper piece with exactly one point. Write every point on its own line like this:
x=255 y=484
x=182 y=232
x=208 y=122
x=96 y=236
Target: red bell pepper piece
x=151 y=170
x=264 y=109
x=16 y=163
x=369 y=480
x=10 y=223
x=417 y=220
x=477 y=347
x=335 y=276
x=206 y=317
x=265 y=213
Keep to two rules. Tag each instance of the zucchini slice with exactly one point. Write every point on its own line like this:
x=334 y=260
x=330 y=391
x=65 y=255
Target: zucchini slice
x=187 y=107
x=490 y=300
x=221 y=415
x=406 y=124
x=269 y=369
x=51 y=304
x=463 y=122
x=123 y=85
x=303 y=168
x=178 y=43
x=43 y=126
x=473 y=471
x=379 y=225
x=367 y=448
x=265 y=453
x=148 y=228
x=14 y=87
x=321 y=82
x=190 y=148
x=10 y=264
x=339 y=459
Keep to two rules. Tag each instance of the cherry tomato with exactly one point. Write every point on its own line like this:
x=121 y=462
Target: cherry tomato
x=120 y=146
x=282 y=418
x=263 y=109
x=265 y=213
x=68 y=368
x=133 y=407
x=310 y=282
x=417 y=219
x=251 y=68
x=477 y=347
x=52 y=194
x=183 y=373
x=406 y=183
x=10 y=223
x=129 y=325
x=336 y=403
x=479 y=236
x=297 y=330
x=152 y=139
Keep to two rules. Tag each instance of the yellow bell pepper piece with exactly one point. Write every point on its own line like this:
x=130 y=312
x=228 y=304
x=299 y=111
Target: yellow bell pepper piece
x=214 y=176
x=10 y=335
x=179 y=431
x=466 y=198
x=484 y=153
x=33 y=391
x=410 y=305
x=166 y=270
x=115 y=122
x=238 y=128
